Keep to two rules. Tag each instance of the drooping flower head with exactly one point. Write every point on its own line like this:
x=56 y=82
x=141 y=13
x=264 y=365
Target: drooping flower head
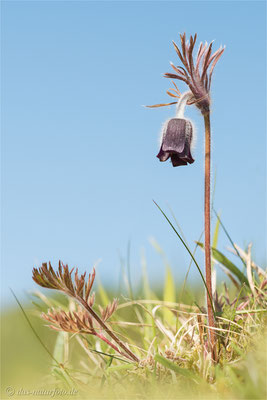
x=177 y=137
x=177 y=133
x=176 y=142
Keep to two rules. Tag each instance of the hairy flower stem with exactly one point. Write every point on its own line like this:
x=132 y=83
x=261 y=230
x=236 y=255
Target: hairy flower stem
x=211 y=321
x=106 y=328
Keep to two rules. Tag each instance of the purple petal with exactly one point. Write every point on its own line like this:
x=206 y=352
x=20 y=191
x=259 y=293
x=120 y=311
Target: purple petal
x=176 y=142
x=174 y=137
x=163 y=155
x=176 y=161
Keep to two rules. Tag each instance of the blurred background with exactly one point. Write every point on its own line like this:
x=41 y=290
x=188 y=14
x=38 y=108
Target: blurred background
x=79 y=166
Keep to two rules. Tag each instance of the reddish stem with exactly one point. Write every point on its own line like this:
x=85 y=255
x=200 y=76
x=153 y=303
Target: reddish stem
x=106 y=328
x=102 y=337
x=211 y=321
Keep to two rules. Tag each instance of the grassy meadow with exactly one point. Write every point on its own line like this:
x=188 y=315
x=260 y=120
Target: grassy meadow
x=164 y=327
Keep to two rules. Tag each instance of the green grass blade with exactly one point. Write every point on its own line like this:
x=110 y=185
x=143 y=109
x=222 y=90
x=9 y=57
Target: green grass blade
x=146 y=286
x=121 y=368
x=103 y=353
x=59 y=368
x=178 y=225
x=33 y=330
x=188 y=270
x=169 y=294
x=222 y=259
x=61 y=375
x=229 y=237
x=174 y=367
x=148 y=294
x=260 y=310
x=187 y=248
x=124 y=277
x=129 y=270
x=214 y=187
x=103 y=294
x=59 y=349
x=215 y=237
x=169 y=287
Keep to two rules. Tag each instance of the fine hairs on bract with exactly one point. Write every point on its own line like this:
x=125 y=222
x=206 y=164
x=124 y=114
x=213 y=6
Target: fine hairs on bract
x=180 y=108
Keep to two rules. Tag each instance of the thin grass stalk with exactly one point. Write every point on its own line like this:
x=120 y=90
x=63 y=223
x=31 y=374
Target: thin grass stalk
x=211 y=321
x=106 y=329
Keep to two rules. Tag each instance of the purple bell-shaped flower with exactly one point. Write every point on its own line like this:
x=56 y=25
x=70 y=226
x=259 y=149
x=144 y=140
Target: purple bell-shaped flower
x=177 y=137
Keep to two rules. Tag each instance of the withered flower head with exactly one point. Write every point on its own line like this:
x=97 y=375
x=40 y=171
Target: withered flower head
x=196 y=75
x=176 y=142
x=62 y=279
x=79 y=321
x=82 y=320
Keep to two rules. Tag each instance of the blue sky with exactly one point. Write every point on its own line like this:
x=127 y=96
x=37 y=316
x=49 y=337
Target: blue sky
x=79 y=166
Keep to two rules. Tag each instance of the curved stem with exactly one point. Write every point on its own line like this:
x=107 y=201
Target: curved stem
x=106 y=328
x=102 y=337
x=181 y=104
x=211 y=321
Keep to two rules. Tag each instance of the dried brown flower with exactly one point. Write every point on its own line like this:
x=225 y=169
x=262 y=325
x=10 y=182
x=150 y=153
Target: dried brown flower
x=62 y=280
x=74 y=322
x=81 y=321
x=196 y=75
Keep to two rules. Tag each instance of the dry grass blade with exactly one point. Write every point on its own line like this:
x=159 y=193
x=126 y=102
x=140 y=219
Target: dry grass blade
x=244 y=256
x=249 y=272
x=181 y=307
x=166 y=332
x=200 y=328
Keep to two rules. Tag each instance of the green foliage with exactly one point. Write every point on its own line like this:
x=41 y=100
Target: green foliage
x=169 y=337
x=60 y=352
x=189 y=251
x=174 y=367
x=222 y=259
x=169 y=294
x=215 y=237
x=104 y=298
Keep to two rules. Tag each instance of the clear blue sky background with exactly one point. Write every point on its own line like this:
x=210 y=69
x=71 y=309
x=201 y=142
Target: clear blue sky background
x=79 y=166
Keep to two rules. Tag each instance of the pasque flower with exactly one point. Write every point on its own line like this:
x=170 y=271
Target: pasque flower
x=177 y=137
x=176 y=142
x=178 y=134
